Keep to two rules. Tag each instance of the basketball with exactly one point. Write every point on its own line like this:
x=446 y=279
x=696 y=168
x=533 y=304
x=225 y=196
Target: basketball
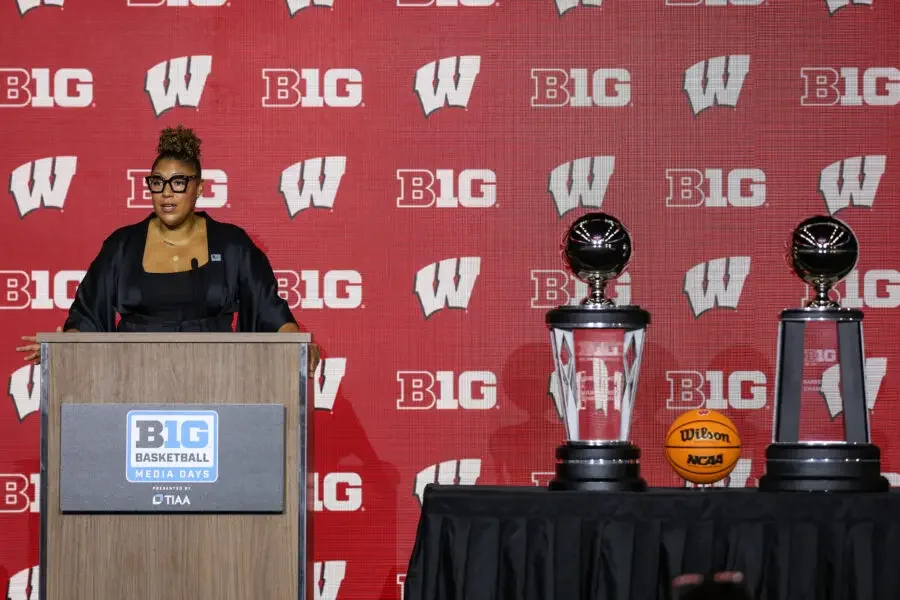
x=703 y=446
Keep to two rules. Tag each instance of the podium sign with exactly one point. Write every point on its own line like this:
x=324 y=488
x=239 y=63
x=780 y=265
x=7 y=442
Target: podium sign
x=127 y=458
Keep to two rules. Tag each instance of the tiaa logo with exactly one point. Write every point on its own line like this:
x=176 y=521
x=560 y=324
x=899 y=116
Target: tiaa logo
x=172 y=446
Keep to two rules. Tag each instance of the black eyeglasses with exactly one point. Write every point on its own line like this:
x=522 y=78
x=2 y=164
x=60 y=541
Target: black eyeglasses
x=178 y=183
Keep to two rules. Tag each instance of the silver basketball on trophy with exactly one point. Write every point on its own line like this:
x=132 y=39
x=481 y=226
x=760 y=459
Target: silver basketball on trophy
x=823 y=251
x=597 y=248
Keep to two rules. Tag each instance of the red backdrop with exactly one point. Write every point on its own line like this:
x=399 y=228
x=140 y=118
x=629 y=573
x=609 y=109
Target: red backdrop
x=410 y=167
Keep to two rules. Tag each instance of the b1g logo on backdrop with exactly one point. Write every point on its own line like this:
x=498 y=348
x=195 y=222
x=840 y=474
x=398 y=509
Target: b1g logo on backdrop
x=714 y=188
x=27 y=5
x=215 y=189
x=445 y=188
x=22 y=290
x=446 y=3
x=850 y=86
x=333 y=88
x=46 y=88
x=172 y=446
x=579 y=88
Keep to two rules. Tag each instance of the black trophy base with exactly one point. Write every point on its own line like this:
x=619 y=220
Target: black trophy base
x=598 y=466
x=823 y=467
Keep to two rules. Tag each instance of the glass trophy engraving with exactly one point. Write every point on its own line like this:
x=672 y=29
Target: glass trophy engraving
x=597 y=349
x=821 y=439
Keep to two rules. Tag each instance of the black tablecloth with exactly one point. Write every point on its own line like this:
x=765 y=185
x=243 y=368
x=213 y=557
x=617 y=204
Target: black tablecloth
x=493 y=543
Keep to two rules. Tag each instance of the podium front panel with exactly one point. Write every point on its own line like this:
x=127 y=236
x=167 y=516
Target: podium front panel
x=171 y=553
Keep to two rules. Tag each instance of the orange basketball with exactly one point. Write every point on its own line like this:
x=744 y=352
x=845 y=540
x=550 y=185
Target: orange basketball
x=703 y=446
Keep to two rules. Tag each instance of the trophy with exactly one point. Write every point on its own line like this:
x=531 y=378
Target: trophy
x=597 y=348
x=823 y=251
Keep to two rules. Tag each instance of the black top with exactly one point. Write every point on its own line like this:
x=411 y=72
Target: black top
x=175 y=296
x=237 y=279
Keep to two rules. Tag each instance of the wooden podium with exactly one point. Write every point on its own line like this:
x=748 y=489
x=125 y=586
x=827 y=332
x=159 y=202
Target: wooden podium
x=151 y=551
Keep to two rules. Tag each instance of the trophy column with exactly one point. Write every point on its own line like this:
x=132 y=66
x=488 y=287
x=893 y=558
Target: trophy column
x=823 y=251
x=597 y=349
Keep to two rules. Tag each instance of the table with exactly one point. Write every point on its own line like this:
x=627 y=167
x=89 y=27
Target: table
x=528 y=543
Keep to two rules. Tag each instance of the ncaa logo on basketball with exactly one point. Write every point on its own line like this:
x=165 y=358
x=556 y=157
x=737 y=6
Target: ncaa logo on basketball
x=172 y=446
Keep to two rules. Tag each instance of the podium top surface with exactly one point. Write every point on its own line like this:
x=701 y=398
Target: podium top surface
x=174 y=338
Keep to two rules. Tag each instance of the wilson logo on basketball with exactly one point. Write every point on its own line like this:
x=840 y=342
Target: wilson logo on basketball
x=702 y=434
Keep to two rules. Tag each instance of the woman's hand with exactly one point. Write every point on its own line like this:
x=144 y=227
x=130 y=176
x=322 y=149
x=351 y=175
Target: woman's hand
x=314 y=358
x=33 y=349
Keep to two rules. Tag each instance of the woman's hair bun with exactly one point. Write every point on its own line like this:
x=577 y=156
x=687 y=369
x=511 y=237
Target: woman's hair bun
x=179 y=141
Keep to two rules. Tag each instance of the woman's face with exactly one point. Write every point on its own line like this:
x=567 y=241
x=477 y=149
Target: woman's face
x=175 y=187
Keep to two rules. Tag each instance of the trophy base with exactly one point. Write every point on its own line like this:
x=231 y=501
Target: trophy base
x=598 y=466
x=823 y=467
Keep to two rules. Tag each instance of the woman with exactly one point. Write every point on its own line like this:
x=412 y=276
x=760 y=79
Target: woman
x=178 y=269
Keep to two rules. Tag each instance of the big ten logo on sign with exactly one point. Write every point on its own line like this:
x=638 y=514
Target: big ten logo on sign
x=554 y=88
x=215 y=189
x=690 y=390
x=312 y=183
x=20 y=492
x=581 y=182
x=446 y=82
x=42 y=183
x=874 y=288
x=312 y=88
x=746 y=188
x=311 y=289
x=852 y=181
x=337 y=492
x=177 y=2
x=850 y=86
x=470 y=390
x=555 y=287
x=27 y=5
x=46 y=88
x=173 y=446
x=444 y=188
x=21 y=290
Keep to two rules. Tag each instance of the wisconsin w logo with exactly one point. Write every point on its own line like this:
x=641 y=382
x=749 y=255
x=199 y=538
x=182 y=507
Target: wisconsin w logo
x=706 y=287
x=716 y=82
x=25 y=390
x=564 y=6
x=313 y=182
x=447 y=82
x=327 y=380
x=450 y=472
x=26 y=5
x=836 y=5
x=447 y=284
x=295 y=6
x=875 y=369
x=851 y=182
x=168 y=86
x=327 y=577
x=581 y=182
x=43 y=183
